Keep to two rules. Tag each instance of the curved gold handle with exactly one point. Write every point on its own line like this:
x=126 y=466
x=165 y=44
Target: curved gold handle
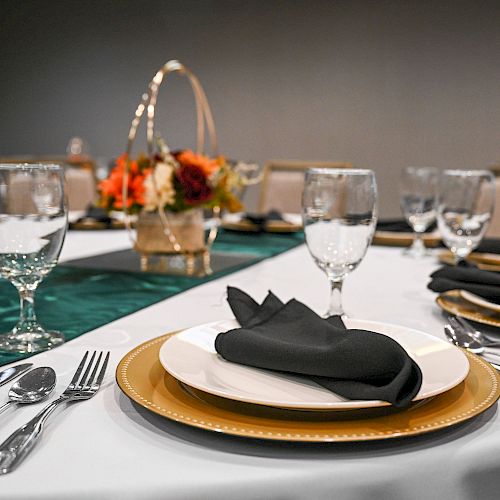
x=148 y=104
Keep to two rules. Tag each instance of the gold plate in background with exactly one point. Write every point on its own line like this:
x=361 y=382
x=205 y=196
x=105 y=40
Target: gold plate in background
x=94 y=225
x=454 y=303
x=485 y=261
x=270 y=227
x=395 y=239
x=142 y=378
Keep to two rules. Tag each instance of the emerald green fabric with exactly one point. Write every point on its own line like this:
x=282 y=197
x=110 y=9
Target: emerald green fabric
x=75 y=301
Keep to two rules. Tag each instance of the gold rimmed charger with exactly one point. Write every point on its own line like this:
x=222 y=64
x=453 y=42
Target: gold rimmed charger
x=94 y=225
x=454 y=303
x=271 y=226
x=142 y=378
x=393 y=238
x=485 y=261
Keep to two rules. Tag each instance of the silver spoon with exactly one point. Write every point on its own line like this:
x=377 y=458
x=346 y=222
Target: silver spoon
x=32 y=387
x=459 y=323
x=455 y=339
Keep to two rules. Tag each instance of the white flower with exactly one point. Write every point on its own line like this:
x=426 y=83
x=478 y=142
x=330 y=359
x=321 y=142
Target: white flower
x=159 y=189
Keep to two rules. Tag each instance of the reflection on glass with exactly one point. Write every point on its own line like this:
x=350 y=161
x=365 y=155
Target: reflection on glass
x=339 y=216
x=33 y=220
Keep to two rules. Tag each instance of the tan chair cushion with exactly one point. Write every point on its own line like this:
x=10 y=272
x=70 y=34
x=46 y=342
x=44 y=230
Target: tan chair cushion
x=283 y=183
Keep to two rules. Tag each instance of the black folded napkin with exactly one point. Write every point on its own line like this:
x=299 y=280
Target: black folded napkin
x=399 y=225
x=97 y=214
x=468 y=277
x=355 y=364
x=261 y=220
x=489 y=245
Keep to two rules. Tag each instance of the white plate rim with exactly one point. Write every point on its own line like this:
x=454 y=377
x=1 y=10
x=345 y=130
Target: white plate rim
x=479 y=301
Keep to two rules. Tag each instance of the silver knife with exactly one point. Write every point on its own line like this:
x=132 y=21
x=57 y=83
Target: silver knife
x=12 y=372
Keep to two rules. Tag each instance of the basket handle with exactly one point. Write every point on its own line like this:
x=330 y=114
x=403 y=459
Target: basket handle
x=148 y=103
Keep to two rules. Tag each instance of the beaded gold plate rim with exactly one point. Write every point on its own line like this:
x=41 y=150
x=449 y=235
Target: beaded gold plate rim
x=270 y=227
x=485 y=261
x=142 y=378
x=453 y=303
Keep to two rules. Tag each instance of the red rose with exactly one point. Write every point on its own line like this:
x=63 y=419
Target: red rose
x=194 y=184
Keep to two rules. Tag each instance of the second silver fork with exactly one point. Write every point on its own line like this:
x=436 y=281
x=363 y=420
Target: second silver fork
x=15 y=448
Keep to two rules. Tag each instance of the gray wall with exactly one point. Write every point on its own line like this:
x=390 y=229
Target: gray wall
x=383 y=84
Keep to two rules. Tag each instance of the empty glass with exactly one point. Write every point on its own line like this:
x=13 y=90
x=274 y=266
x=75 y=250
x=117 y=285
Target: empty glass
x=465 y=205
x=33 y=220
x=339 y=214
x=419 y=187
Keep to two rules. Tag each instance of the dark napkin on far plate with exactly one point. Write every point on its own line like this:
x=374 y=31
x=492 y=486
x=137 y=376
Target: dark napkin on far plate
x=489 y=245
x=468 y=277
x=398 y=225
x=261 y=220
x=96 y=214
x=355 y=364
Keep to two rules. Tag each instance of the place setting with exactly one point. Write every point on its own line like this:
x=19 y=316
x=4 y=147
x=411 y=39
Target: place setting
x=279 y=371
x=468 y=282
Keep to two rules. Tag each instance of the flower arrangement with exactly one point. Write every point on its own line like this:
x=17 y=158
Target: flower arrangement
x=173 y=181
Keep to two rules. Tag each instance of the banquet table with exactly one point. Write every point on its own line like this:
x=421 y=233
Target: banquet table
x=109 y=447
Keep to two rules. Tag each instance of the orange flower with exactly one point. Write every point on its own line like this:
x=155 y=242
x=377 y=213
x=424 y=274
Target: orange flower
x=112 y=187
x=206 y=164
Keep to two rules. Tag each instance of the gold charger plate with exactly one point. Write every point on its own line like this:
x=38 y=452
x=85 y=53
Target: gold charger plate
x=486 y=261
x=392 y=238
x=270 y=227
x=94 y=225
x=142 y=378
x=453 y=303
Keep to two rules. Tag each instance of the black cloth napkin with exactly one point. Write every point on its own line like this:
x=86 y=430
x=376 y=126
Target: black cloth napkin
x=97 y=214
x=468 y=277
x=399 y=225
x=489 y=245
x=355 y=364
x=261 y=220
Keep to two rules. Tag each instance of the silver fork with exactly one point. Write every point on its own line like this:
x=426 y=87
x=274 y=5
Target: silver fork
x=15 y=448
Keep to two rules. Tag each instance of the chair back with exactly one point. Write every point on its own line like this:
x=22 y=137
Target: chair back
x=494 y=227
x=79 y=173
x=283 y=182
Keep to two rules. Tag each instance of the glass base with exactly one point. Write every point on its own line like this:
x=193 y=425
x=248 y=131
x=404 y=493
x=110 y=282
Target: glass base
x=30 y=342
x=417 y=253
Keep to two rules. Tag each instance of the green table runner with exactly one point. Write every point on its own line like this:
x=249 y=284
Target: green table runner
x=75 y=301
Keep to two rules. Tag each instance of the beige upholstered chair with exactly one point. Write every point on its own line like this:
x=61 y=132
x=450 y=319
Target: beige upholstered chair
x=283 y=181
x=79 y=173
x=494 y=228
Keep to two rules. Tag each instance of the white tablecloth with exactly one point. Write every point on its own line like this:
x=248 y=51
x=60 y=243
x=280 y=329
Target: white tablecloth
x=109 y=448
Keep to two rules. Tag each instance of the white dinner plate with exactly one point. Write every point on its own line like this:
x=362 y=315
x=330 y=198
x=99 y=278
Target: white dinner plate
x=479 y=301
x=190 y=357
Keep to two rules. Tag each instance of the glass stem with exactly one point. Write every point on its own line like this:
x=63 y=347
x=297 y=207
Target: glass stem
x=335 y=308
x=27 y=318
x=419 y=241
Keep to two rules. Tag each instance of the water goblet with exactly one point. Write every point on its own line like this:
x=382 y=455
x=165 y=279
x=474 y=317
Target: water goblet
x=418 y=201
x=33 y=221
x=465 y=205
x=339 y=213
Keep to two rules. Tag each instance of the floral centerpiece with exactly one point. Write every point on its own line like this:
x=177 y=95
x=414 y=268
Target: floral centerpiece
x=175 y=182
x=169 y=192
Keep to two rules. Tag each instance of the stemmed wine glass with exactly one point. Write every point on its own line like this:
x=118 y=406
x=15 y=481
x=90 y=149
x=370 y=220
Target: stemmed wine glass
x=339 y=212
x=33 y=221
x=465 y=206
x=418 y=201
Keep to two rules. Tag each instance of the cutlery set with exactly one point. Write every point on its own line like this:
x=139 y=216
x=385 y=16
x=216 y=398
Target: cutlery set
x=36 y=385
x=461 y=333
